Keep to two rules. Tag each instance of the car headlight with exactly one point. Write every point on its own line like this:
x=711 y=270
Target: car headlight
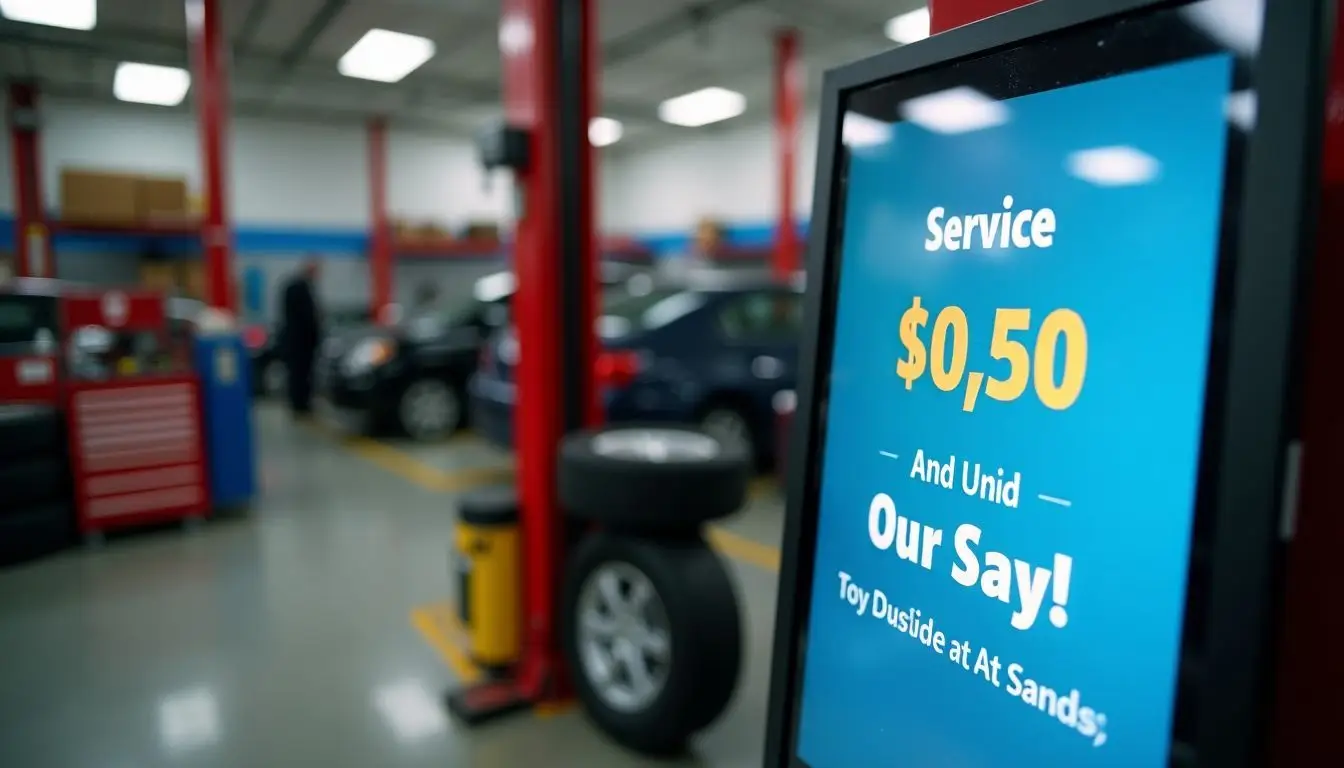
x=368 y=355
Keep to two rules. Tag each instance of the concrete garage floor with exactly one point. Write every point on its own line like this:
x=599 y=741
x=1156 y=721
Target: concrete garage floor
x=315 y=631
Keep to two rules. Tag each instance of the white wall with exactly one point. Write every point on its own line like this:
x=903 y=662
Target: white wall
x=726 y=173
x=300 y=175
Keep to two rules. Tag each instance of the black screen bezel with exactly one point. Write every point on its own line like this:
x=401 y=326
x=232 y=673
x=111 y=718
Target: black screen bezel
x=1247 y=429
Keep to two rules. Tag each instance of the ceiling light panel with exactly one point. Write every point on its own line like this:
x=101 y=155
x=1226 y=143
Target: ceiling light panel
x=956 y=110
x=150 y=84
x=1118 y=166
x=385 y=56
x=702 y=107
x=70 y=14
x=909 y=27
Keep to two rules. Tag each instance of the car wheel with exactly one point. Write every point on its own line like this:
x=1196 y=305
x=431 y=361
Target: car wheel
x=429 y=409
x=650 y=478
x=730 y=427
x=275 y=377
x=653 y=634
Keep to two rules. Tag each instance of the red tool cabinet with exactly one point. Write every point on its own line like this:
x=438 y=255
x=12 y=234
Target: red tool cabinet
x=137 y=453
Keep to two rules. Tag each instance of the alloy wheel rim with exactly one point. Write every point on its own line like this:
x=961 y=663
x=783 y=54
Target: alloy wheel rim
x=428 y=408
x=624 y=637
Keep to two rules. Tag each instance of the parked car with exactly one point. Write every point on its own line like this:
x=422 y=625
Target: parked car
x=263 y=342
x=708 y=352
x=412 y=377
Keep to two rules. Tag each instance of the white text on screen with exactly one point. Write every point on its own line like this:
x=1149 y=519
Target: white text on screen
x=1002 y=229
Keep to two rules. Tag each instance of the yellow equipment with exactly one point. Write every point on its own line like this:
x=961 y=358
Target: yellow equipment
x=489 y=590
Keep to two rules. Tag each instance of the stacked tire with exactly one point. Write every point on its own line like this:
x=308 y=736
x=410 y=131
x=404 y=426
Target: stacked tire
x=651 y=623
x=36 y=512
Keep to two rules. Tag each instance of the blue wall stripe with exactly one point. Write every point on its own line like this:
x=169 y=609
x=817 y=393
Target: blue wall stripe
x=351 y=243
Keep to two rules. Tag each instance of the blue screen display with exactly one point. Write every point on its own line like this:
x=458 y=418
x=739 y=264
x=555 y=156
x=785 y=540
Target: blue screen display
x=1013 y=425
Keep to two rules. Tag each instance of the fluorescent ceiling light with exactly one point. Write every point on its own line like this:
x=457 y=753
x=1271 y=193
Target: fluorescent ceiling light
x=863 y=131
x=385 y=56
x=909 y=27
x=604 y=131
x=150 y=84
x=956 y=110
x=70 y=14
x=702 y=107
x=1236 y=24
x=1114 y=166
x=1240 y=108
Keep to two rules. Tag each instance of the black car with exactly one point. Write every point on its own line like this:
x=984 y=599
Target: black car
x=713 y=350
x=412 y=377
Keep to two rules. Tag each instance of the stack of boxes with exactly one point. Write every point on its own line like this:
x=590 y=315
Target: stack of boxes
x=125 y=200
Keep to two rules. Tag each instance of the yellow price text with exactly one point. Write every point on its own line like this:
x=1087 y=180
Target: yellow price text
x=1057 y=383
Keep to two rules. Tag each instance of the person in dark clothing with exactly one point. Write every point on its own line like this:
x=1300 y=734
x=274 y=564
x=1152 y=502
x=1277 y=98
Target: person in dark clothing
x=300 y=336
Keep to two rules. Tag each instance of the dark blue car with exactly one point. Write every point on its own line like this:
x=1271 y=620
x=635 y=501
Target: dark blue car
x=713 y=353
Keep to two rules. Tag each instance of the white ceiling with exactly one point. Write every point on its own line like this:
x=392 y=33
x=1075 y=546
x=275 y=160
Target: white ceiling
x=285 y=53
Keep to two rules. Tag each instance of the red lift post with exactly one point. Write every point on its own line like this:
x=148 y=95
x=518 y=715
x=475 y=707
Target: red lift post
x=209 y=52
x=789 y=82
x=380 y=230
x=31 y=235
x=949 y=14
x=549 y=69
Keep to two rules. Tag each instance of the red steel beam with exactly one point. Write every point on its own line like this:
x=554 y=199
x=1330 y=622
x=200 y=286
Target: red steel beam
x=789 y=82
x=380 y=233
x=209 y=52
x=949 y=14
x=31 y=235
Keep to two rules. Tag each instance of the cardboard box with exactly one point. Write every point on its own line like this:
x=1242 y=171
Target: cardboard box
x=97 y=197
x=159 y=199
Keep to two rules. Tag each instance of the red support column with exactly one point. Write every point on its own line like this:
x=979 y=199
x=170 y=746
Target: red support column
x=380 y=231
x=209 y=50
x=949 y=14
x=548 y=68
x=789 y=81
x=31 y=238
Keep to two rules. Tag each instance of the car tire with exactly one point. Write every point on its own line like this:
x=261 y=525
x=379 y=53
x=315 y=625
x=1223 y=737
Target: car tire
x=28 y=482
x=667 y=606
x=35 y=532
x=648 y=478
x=429 y=409
x=30 y=430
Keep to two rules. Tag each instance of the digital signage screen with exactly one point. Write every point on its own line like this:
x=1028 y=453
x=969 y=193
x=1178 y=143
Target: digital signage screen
x=1027 y=276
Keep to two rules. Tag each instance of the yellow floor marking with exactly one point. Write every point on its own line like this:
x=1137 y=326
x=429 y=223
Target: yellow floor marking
x=551 y=709
x=742 y=549
x=425 y=475
x=439 y=626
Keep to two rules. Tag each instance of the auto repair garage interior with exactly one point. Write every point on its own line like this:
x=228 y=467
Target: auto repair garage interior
x=195 y=575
